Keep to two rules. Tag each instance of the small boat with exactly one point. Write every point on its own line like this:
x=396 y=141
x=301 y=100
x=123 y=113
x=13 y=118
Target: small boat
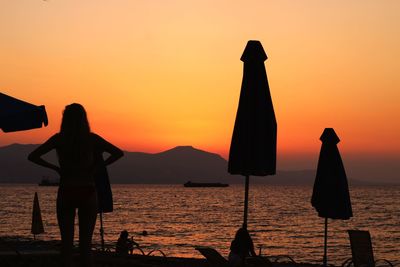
x=191 y=184
x=48 y=182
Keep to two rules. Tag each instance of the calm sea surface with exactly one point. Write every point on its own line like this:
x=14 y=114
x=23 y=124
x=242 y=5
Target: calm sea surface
x=281 y=219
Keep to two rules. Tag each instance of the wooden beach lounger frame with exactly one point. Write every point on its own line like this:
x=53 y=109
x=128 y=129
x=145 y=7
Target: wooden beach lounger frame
x=361 y=250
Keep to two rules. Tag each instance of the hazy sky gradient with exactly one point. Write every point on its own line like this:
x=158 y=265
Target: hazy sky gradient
x=154 y=74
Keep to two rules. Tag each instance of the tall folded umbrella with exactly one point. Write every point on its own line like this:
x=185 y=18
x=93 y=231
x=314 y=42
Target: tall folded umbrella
x=17 y=115
x=331 y=196
x=253 y=145
x=37 y=223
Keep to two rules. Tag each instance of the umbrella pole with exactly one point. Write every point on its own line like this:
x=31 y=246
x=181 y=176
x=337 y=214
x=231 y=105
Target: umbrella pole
x=101 y=231
x=325 y=259
x=246 y=201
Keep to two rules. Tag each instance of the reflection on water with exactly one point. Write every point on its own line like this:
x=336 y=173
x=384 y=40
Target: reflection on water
x=281 y=218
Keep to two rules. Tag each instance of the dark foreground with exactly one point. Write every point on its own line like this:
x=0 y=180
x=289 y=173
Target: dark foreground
x=51 y=259
x=25 y=252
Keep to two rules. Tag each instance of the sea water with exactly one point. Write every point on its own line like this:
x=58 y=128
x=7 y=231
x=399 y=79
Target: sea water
x=281 y=219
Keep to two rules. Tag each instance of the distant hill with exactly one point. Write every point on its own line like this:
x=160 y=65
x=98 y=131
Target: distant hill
x=174 y=166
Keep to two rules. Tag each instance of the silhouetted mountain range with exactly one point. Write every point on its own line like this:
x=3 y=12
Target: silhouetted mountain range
x=177 y=165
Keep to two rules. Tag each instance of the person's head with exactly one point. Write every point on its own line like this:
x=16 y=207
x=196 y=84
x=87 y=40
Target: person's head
x=74 y=121
x=74 y=133
x=124 y=234
x=242 y=235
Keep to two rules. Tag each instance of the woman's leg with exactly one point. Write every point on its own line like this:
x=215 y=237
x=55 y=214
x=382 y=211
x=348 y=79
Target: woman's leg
x=87 y=219
x=66 y=219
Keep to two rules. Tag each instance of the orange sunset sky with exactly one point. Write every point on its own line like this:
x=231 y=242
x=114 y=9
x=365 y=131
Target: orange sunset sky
x=154 y=74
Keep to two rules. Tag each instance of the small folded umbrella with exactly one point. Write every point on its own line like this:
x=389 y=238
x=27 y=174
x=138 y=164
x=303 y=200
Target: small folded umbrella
x=253 y=145
x=104 y=193
x=17 y=115
x=331 y=196
x=37 y=223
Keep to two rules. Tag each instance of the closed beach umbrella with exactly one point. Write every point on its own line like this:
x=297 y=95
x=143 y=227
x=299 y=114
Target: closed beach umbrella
x=17 y=115
x=103 y=187
x=37 y=223
x=253 y=145
x=331 y=197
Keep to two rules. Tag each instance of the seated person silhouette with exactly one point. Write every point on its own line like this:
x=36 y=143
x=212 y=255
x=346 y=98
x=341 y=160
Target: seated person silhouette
x=125 y=245
x=241 y=247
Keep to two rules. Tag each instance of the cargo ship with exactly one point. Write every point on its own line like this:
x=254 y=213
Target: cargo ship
x=192 y=184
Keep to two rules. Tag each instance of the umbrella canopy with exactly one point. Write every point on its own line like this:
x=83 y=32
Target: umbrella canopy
x=253 y=145
x=331 y=196
x=37 y=223
x=17 y=115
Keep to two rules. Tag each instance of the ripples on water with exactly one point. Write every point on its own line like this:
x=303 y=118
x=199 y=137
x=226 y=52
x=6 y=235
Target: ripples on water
x=281 y=218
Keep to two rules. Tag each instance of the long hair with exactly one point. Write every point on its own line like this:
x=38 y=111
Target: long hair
x=74 y=133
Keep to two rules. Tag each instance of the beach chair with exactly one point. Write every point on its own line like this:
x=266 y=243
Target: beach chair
x=215 y=259
x=362 y=251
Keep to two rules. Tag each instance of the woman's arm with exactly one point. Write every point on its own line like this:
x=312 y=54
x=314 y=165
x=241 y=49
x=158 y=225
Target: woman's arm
x=36 y=155
x=115 y=152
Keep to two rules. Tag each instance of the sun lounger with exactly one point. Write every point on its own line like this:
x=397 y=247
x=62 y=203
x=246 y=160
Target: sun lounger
x=215 y=259
x=362 y=251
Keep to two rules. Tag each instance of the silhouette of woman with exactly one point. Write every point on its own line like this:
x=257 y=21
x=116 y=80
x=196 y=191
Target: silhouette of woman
x=241 y=247
x=77 y=150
